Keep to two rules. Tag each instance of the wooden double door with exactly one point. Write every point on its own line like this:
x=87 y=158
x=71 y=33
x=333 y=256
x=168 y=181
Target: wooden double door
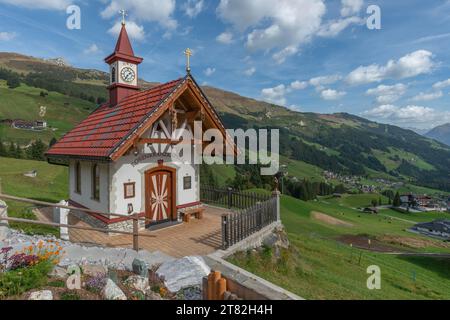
x=160 y=195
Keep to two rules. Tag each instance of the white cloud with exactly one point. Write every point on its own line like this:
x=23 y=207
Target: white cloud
x=160 y=11
x=299 y=85
x=388 y=94
x=134 y=30
x=351 y=7
x=330 y=94
x=282 y=55
x=335 y=27
x=40 y=4
x=442 y=84
x=411 y=116
x=275 y=95
x=225 y=38
x=249 y=72
x=295 y=107
x=92 y=49
x=428 y=96
x=324 y=80
x=7 y=36
x=283 y=25
x=411 y=65
x=193 y=8
x=209 y=71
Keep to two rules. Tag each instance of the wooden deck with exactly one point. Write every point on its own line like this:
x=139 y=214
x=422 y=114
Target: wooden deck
x=198 y=237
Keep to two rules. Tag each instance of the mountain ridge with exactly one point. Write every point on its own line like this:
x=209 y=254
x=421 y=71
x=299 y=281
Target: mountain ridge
x=440 y=133
x=338 y=142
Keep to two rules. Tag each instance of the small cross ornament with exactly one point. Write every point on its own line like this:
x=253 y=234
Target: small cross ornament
x=188 y=53
x=124 y=14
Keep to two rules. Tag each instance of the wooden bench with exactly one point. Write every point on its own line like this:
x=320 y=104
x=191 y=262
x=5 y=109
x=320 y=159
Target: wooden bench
x=196 y=212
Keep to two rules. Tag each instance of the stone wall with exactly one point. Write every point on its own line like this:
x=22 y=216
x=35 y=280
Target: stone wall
x=245 y=284
x=126 y=226
x=254 y=241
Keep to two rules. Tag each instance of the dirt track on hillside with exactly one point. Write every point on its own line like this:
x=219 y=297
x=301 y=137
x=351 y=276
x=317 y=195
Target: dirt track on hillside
x=330 y=220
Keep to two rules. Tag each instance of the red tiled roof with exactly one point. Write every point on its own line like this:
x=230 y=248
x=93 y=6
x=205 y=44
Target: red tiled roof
x=104 y=130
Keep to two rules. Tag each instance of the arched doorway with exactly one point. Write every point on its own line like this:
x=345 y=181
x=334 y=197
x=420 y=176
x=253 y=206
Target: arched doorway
x=160 y=195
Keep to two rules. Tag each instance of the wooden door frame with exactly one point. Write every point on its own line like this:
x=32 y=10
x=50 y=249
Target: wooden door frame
x=148 y=173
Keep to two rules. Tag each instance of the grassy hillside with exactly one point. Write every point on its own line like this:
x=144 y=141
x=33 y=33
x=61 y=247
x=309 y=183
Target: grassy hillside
x=323 y=265
x=62 y=113
x=341 y=143
x=51 y=185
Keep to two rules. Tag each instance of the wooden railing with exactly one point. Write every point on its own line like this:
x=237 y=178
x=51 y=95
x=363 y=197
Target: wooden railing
x=135 y=217
x=230 y=198
x=254 y=212
x=240 y=225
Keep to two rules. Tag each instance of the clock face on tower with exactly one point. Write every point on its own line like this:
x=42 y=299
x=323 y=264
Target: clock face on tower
x=127 y=74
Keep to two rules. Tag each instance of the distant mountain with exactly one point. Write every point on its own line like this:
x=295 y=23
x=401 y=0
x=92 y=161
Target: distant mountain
x=441 y=133
x=342 y=143
x=422 y=132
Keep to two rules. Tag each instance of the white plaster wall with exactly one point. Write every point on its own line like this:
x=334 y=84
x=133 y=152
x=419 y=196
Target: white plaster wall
x=85 y=198
x=127 y=170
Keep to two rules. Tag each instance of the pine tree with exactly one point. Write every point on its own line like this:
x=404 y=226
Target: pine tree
x=18 y=154
x=52 y=142
x=397 y=200
x=3 y=151
x=12 y=149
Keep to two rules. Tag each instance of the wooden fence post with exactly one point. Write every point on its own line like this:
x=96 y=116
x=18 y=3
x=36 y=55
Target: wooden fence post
x=136 y=232
x=277 y=195
x=221 y=287
x=61 y=216
x=230 y=198
x=225 y=235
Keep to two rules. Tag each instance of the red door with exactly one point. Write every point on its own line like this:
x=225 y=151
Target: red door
x=159 y=196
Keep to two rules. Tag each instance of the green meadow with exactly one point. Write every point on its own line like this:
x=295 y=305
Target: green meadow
x=320 y=265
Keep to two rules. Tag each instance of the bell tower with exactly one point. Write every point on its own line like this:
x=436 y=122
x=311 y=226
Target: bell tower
x=123 y=69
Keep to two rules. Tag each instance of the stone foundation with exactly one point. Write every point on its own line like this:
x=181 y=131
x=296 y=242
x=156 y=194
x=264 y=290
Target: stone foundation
x=126 y=226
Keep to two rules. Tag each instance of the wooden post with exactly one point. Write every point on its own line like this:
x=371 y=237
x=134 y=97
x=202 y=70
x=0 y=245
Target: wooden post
x=230 y=198
x=136 y=232
x=221 y=287
x=211 y=286
x=215 y=280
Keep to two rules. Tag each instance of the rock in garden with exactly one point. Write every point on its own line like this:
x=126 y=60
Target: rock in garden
x=94 y=270
x=4 y=233
x=113 y=292
x=277 y=238
x=140 y=268
x=58 y=272
x=138 y=283
x=41 y=295
x=183 y=273
x=190 y=294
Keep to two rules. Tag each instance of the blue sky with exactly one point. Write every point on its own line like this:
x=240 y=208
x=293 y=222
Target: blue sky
x=308 y=55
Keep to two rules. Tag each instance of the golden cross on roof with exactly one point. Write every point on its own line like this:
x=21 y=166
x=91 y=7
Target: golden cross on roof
x=124 y=14
x=188 y=53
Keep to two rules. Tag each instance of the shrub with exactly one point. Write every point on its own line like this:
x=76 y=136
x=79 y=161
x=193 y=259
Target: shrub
x=97 y=283
x=18 y=281
x=70 y=296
